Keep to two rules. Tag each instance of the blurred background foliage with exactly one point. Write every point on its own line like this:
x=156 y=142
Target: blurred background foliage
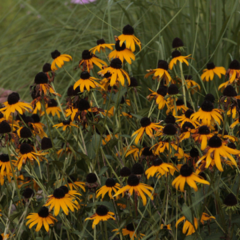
x=32 y=29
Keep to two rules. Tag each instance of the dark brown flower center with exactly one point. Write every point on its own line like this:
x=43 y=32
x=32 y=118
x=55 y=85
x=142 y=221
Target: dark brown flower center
x=209 y=97
x=28 y=193
x=173 y=89
x=186 y=126
x=101 y=210
x=55 y=54
x=188 y=77
x=91 y=178
x=65 y=189
x=66 y=122
x=130 y=227
x=52 y=103
x=25 y=148
x=186 y=171
x=13 y=98
x=229 y=91
x=210 y=66
x=46 y=143
x=110 y=182
x=86 y=55
x=188 y=113
x=125 y=172
x=177 y=42
x=137 y=169
x=36 y=118
x=43 y=212
x=179 y=102
x=25 y=132
x=128 y=30
x=170 y=119
x=4 y=127
x=41 y=78
x=85 y=75
x=207 y=106
x=194 y=152
x=116 y=63
x=83 y=105
x=176 y=53
x=170 y=129
x=133 y=180
x=145 y=122
x=230 y=200
x=147 y=151
x=235 y=65
x=163 y=65
x=133 y=82
x=4 y=158
x=215 y=142
x=47 y=67
x=59 y=193
x=100 y=41
x=162 y=91
x=157 y=162
x=204 y=130
x=118 y=47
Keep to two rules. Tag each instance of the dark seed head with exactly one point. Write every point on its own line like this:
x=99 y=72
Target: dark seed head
x=47 y=67
x=43 y=212
x=128 y=30
x=36 y=118
x=207 y=106
x=215 y=142
x=203 y=175
x=4 y=158
x=232 y=145
x=137 y=169
x=59 y=193
x=125 y=172
x=147 y=151
x=107 y=75
x=4 y=127
x=204 y=130
x=86 y=55
x=1 y=238
x=91 y=178
x=130 y=227
x=179 y=102
x=133 y=180
x=118 y=47
x=55 y=54
x=186 y=126
x=163 y=65
x=177 y=42
x=25 y=132
x=13 y=98
x=65 y=189
x=145 y=122
x=170 y=119
x=41 y=78
x=101 y=210
x=85 y=75
x=188 y=77
x=46 y=143
x=157 y=162
x=70 y=91
x=170 y=129
x=66 y=122
x=162 y=91
x=234 y=65
x=188 y=113
x=230 y=200
x=28 y=192
x=25 y=148
x=28 y=119
x=110 y=182
x=194 y=152
x=83 y=105
x=1 y=115
x=209 y=97
x=52 y=103
x=210 y=66
x=133 y=82
x=173 y=89
x=100 y=41
x=229 y=91
x=176 y=53
x=72 y=178
x=186 y=171
x=116 y=63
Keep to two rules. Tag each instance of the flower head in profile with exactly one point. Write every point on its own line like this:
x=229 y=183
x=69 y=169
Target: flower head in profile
x=59 y=59
x=186 y=117
x=122 y=53
x=177 y=56
x=159 y=96
x=206 y=217
x=101 y=46
x=133 y=185
x=177 y=44
x=192 y=85
x=116 y=71
x=211 y=70
x=65 y=124
x=88 y=60
x=187 y=226
x=102 y=214
x=42 y=218
x=12 y=104
x=146 y=127
x=230 y=203
x=110 y=187
x=52 y=108
x=128 y=38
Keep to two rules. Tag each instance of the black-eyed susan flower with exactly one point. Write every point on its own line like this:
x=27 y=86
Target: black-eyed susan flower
x=177 y=44
x=46 y=143
x=86 y=82
x=38 y=126
x=133 y=150
x=146 y=126
x=173 y=90
x=42 y=218
x=28 y=193
x=206 y=217
x=66 y=124
x=187 y=176
x=161 y=72
x=102 y=214
x=110 y=187
x=186 y=117
x=12 y=104
x=101 y=46
x=161 y=146
x=60 y=200
x=24 y=133
x=139 y=188
x=218 y=149
x=27 y=152
x=158 y=167
x=52 y=108
x=5 y=165
x=73 y=183
x=177 y=56
x=128 y=37
x=72 y=112
x=59 y=59
x=233 y=71
x=122 y=53
x=207 y=114
x=211 y=70
x=186 y=131
x=159 y=96
x=230 y=203
x=116 y=71
x=125 y=172
x=179 y=107
x=187 y=226
x=88 y=60
x=129 y=230
x=191 y=84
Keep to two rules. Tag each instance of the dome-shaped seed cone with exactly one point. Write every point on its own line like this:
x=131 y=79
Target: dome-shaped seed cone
x=13 y=98
x=55 y=54
x=133 y=82
x=47 y=67
x=41 y=78
x=209 y=97
x=137 y=169
x=125 y=172
x=173 y=89
x=230 y=200
x=128 y=30
x=91 y=178
x=46 y=143
x=177 y=42
x=229 y=91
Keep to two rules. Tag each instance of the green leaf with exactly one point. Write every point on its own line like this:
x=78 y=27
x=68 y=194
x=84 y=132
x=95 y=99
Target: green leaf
x=186 y=211
x=103 y=170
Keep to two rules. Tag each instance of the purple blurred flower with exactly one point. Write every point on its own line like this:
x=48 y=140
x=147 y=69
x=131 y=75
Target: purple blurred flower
x=82 y=1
